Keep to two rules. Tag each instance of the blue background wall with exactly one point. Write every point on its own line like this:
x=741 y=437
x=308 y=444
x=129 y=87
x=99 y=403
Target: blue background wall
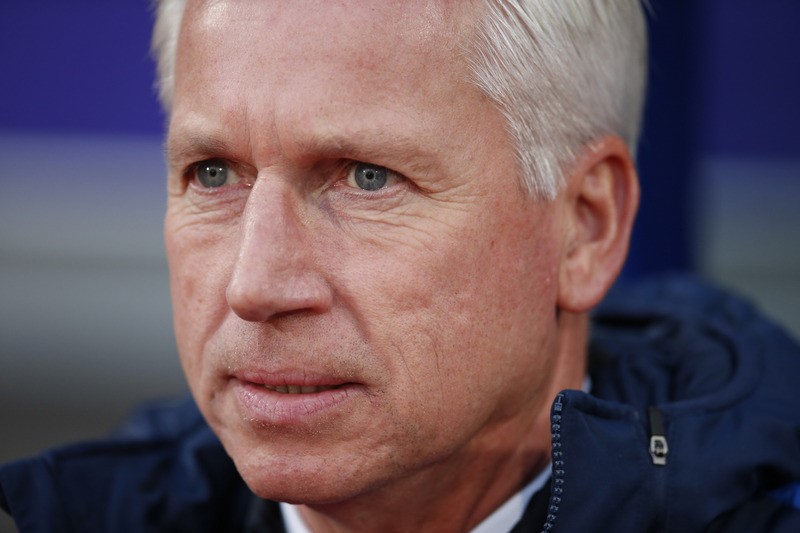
x=77 y=67
x=723 y=86
x=85 y=328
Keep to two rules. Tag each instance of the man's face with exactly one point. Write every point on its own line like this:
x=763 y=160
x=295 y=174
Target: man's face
x=367 y=296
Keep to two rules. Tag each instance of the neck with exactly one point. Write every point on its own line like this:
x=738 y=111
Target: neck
x=456 y=494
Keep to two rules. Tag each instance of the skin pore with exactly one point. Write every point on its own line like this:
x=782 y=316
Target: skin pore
x=432 y=317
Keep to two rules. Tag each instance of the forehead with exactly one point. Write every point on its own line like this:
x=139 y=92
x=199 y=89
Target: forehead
x=294 y=33
x=416 y=18
x=310 y=65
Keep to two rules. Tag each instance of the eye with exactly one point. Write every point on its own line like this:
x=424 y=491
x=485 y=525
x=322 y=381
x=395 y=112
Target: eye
x=214 y=173
x=369 y=177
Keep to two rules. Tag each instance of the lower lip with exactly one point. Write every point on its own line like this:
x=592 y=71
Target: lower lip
x=273 y=408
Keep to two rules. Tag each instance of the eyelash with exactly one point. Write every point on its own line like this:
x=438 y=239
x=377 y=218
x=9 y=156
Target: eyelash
x=344 y=180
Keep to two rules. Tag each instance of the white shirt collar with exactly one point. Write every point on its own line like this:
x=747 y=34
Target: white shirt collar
x=292 y=520
x=507 y=515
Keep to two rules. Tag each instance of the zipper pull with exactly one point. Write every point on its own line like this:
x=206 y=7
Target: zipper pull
x=658 y=438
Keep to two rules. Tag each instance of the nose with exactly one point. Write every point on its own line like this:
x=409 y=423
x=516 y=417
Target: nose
x=275 y=273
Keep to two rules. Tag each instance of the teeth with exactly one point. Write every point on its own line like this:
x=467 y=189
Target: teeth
x=298 y=389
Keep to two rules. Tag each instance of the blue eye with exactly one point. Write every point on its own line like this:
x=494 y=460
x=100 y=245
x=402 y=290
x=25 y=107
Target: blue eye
x=370 y=177
x=212 y=173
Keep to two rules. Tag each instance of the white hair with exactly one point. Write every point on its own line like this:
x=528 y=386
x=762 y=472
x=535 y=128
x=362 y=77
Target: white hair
x=562 y=72
x=164 y=46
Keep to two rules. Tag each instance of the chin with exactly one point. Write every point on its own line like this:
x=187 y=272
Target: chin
x=293 y=473
x=299 y=481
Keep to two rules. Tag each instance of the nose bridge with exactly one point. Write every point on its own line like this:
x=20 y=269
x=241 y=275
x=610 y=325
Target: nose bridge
x=271 y=226
x=275 y=271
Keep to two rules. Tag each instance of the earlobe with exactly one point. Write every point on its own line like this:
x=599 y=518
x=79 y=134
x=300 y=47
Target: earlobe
x=600 y=202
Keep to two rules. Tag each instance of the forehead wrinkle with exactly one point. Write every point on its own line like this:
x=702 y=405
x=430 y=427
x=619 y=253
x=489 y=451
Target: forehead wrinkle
x=445 y=22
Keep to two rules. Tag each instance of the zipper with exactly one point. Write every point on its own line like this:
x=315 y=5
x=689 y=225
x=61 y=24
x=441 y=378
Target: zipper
x=658 y=453
x=658 y=438
x=557 y=485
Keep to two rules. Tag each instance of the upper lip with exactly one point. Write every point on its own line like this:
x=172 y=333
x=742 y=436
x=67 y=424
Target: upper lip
x=290 y=377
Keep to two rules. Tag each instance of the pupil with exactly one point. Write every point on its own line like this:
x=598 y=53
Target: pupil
x=370 y=177
x=212 y=173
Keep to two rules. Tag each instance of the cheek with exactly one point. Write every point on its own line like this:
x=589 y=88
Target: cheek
x=200 y=260
x=454 y=316
x=500 y=317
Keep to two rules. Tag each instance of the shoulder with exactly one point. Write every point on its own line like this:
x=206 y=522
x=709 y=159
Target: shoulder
x=777 y=512
x=713 y=339
x=683 y=298
x=724 y=379
x=164 y=468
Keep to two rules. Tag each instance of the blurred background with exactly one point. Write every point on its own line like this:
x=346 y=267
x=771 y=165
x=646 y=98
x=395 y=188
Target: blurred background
x=85 y=319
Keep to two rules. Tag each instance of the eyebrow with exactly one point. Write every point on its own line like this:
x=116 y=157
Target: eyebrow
x=371 y=146
x=193 y=146
x=374 y=146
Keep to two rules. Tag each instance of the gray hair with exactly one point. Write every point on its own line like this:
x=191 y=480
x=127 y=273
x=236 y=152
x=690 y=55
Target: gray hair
x=562 y=72
x=164 y=46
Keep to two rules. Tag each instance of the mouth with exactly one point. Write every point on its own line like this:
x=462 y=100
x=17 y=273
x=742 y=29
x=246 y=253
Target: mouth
x=301 y=389
x=291 y=398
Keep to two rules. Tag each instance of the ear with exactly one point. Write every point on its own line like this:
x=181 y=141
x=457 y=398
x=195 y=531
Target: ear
x=599 y=203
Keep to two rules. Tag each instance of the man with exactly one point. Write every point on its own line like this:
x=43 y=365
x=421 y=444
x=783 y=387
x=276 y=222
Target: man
x=387 y=224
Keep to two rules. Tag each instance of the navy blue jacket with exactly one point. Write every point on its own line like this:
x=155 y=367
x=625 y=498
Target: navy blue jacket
x=682 y=374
